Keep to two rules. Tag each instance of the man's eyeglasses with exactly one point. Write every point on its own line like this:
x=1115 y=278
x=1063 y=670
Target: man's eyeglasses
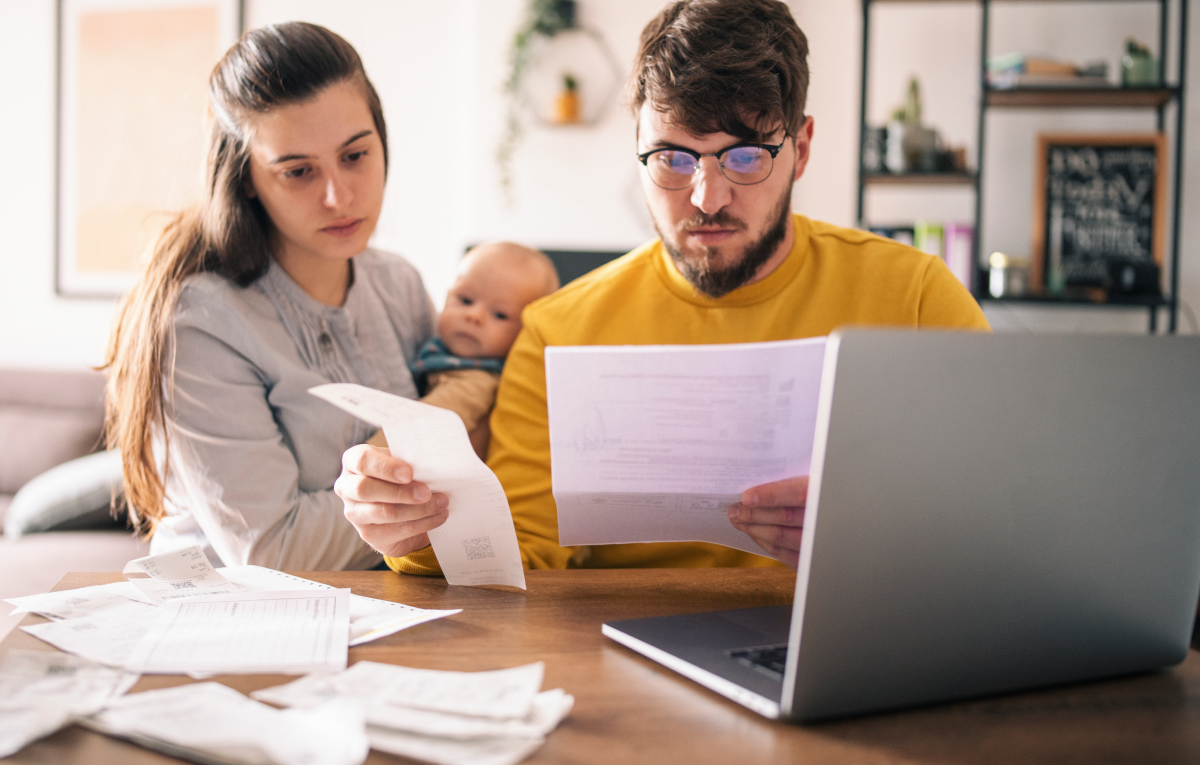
x=744 y=164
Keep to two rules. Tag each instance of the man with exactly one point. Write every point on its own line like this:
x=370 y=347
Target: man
x=718 y=90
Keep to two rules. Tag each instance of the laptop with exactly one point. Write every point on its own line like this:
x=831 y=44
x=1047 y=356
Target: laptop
x=986 y=513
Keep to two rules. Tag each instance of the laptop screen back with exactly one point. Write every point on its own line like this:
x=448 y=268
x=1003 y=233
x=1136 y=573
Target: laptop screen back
x=991 y=512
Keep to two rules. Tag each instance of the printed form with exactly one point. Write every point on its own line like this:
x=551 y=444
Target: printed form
x=248 y=633
x=478 y=543
x=653 y=443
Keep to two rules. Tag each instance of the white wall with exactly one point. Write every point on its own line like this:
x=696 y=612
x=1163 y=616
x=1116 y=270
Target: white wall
x=439 y=68
x=37 y=329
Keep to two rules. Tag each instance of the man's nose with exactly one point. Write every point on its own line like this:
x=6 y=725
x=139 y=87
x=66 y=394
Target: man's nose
x=712 y=190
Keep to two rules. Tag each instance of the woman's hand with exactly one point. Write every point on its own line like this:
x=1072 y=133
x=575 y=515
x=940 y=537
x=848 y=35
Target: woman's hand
x=391 y=511
x=773 y=516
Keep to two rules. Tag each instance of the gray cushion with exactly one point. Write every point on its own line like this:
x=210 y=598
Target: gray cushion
x=46 y=418
x=74 y=495
x=36 y=439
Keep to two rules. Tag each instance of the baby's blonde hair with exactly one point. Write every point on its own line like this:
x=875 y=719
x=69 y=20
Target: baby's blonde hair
x=529 y=258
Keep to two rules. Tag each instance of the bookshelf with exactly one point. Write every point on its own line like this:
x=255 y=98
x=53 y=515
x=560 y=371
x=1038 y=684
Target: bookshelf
x=1172 y=29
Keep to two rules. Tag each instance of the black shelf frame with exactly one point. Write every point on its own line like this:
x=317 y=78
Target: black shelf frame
x=1158 y=98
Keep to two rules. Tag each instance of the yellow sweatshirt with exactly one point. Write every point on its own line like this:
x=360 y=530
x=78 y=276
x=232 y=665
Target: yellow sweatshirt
x=833 y=277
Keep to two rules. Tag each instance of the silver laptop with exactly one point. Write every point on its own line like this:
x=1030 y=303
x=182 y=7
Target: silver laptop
x=986 y=513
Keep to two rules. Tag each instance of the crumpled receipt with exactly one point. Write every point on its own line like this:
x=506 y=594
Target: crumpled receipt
x=219 y=723
x=448 y=718
x=40 y=691
x=478 y=542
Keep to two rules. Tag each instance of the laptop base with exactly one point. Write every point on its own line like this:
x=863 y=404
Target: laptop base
x=701 y=647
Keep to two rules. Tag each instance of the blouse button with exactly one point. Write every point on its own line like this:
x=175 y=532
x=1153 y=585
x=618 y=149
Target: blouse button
x=326 y=342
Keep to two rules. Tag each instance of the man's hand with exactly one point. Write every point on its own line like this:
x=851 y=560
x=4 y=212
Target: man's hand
x=773 y=516
x=391 y=511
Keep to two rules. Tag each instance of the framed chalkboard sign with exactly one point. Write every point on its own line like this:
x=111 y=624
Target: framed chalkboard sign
x=1099 y=208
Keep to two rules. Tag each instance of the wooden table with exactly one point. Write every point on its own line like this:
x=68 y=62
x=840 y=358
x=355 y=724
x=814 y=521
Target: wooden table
x=629 y=709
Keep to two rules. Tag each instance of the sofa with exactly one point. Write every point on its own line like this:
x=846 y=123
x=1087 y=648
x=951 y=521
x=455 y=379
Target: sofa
x=56 y=483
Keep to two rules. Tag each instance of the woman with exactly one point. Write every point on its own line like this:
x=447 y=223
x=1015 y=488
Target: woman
x=263 y=290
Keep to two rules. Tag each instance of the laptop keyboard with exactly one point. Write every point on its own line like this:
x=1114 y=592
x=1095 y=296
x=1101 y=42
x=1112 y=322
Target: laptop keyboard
x=767 y=659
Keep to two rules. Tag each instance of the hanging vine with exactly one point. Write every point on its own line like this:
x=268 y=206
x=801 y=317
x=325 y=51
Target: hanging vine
x=543 y=18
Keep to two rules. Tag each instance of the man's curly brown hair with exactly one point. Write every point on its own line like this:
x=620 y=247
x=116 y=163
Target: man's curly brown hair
x=723 y=66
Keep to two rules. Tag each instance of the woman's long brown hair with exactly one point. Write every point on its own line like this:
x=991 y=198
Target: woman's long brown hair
x=226 y=233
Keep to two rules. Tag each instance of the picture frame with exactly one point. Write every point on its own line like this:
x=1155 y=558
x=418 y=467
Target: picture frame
x=1099 y=213
x=132 y=98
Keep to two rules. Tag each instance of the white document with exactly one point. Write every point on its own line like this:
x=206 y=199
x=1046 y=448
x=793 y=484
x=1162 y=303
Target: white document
x=115 y=599
x=503 y=694
x=370 y=618
x=653 y=443
x=442 y=751
x=248 y=633
x=221 y=725
x=41 y=690
x=108 y=640
x=184 y=573
x=478 y=543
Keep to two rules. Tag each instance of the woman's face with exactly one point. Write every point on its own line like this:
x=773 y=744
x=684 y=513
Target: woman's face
x=317 y=168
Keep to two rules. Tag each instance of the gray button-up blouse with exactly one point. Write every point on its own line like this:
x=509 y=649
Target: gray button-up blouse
x=252 y=455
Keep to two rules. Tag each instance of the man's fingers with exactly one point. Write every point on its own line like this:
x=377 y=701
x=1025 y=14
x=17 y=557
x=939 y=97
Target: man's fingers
x=740 y=514
x=773 y=537
x=782 y=542
x=789 y=558
x=788 y=492
x=367 y=460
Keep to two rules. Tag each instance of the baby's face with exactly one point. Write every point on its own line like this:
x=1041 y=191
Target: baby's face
x=483 y=309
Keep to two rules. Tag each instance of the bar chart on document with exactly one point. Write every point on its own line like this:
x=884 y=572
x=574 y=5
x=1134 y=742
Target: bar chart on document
x=653 y=443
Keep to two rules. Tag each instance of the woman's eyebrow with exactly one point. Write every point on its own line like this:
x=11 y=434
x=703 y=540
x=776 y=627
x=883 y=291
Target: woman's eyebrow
x=355 y=137
x=347 y=142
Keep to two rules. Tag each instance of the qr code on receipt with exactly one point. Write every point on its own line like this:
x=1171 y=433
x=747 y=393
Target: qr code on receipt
x=479 y=548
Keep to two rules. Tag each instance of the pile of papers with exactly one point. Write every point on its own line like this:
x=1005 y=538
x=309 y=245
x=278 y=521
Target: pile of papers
x=449 y=718
x=182 y=616
x=179 y=615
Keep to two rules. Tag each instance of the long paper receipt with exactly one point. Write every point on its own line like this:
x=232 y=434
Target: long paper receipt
x=653 y=443
x=478 y=543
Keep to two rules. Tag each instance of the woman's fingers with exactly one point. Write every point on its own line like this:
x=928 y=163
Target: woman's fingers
x=370 y=474
x=392 y=512
x=375 y=462
x=399 y=536
x=352 y=487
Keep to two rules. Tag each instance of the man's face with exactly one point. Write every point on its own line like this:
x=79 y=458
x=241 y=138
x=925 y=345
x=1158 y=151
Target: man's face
x=722 y=235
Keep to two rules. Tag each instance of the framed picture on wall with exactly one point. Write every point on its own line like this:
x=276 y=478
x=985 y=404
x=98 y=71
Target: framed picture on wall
x=132 y=95
x=1099 y=210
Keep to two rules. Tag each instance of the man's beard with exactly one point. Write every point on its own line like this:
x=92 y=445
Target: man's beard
x=705 y=274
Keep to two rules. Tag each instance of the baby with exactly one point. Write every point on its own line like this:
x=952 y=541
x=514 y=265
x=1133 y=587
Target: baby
x=460 y=368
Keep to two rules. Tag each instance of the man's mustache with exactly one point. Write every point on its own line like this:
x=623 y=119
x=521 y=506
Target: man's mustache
x=720 y=218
